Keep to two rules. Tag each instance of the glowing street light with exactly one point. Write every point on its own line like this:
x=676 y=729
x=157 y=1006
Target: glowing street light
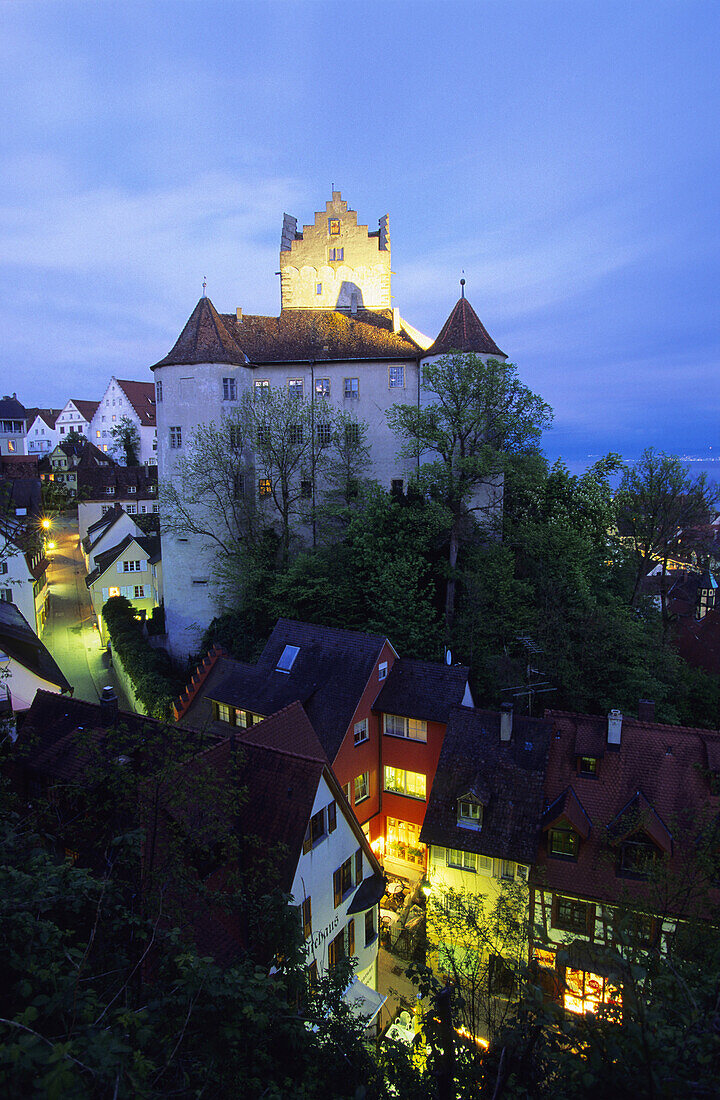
x=45 y=524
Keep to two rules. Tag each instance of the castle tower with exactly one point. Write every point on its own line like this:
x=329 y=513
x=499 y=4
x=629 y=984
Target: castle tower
x=335 y=263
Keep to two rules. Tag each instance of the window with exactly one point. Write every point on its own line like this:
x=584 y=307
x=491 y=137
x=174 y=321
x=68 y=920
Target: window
x=382 y=670
x=306 y=913
x=3 y=567
x=97 y=435
x=415 y=729
x=305 y=489
x=132 y=567
x=466 y=861
x=295 y=387
x=263 y=436
x=361 y=731
x=322 y=387
x=336 y=254
x=362 y=787
x=6 y=595
x=369 y=926
x=469 y=813
x=637 y=856
x=315 y=831
x=570 y=915
x=229 y=389
x=295 y=435
x=223 y=712
x=342 y=881
x=352 y=388
x=261 y=387
x=287 y=658
x=324 y=433
x=352 y=435
x=334 y=227
x=500 y=976
x=343 y=946
x=158 y=393
x=132 y=489
x=176 y=437
x=264 y=487
x=156 y=507
x=587 y=765
x=399 y=781
x=312 y=973
x=332 y=816
x=396 y=378
x=507 y=869
x=563 y=842
x=139 y=592
x=318 y=288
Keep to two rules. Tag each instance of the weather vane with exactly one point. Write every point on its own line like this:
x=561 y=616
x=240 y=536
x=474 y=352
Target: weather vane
x=462 y=285
x=204 y=285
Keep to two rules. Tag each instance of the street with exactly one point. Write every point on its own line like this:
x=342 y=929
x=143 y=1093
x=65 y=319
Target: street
x=70 y=631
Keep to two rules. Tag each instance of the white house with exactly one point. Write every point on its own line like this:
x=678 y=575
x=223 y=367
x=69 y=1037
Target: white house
x=136 y=401
x=99 y=490
x=25 y=663
x=76 y=417
x=130 y=569
x=42 y=434
x=114 y=526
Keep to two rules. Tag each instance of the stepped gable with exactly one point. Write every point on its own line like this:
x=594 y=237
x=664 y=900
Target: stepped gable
x=205 y=339
x=422 y=689
x=141 y=396
x=464 y=331
x=295 y=336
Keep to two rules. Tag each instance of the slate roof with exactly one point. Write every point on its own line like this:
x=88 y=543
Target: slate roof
x=149 y=544
x=661 y=769
x=295 y=336
x=101 y=526
x=141 y=396
x=95 y=482
x=19 y=641
x=422 y=689
x=19 y=465
x=328 y=677
x=20 y=492
x=510 y=775
x=48 y=415
x=464 y=331
x=11 y=409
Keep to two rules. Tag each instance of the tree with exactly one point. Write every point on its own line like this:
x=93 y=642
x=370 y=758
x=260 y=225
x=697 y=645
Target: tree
x=126 y=439
x=659 y=497
x=482 y=415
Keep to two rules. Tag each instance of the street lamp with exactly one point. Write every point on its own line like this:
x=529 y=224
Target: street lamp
x=45 y=524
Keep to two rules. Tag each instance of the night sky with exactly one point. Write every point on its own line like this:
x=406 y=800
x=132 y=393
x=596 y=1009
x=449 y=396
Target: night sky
x=564 y=156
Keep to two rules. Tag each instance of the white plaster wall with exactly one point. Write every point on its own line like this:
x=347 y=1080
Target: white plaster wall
x=89 y=511
x=20 y=582
x=41 y=438
x=314 y=879
x=70 y=419
x=114 y=405
x=22 y=684
x=122 y=527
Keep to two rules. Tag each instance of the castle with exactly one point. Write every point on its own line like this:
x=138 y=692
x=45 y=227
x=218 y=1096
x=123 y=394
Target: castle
x=338 y=339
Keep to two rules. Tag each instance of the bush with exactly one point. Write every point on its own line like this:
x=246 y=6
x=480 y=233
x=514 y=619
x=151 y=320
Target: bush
x=149 y=670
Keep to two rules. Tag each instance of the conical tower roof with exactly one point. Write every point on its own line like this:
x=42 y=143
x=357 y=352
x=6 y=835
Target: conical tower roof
x=464 y=331
x=205 y=339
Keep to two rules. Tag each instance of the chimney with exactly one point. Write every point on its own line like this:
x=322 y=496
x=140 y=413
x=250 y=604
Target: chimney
x=108 y=706
x=506 y=721
x=646 y=710
x=614 y=728
x=353 y=302
x=396 y=319
x=238 y=313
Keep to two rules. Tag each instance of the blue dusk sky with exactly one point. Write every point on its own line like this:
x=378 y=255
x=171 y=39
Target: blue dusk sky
x=563 y=154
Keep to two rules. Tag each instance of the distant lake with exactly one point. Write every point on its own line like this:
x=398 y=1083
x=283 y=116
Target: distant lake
x=697 y=464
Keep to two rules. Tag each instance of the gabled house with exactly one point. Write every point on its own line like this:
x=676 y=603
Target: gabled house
x=623 y=797
x=26 y=666
x=136 y=401
x=482 y=825
x=13 y=426
x=76 y=417
x=67 y=463
x=382 y=731
x=135 y=488
x=42 y=434
x=107 y=532
x=131 y=569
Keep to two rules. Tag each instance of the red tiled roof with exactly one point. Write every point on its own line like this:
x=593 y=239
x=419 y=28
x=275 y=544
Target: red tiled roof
x=698 y=641
x=48 y=415
x=85 y=408
x=569 y=807
x=141 y=396
x=295 y=336
x=464 y=331
x=664 y=769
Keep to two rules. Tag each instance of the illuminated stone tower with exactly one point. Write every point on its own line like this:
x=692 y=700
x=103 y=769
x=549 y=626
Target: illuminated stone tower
x=335 y=263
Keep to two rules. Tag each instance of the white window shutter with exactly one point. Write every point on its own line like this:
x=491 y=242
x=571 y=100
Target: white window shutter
x=120 y=567
x=105 y=595
x=143 y=566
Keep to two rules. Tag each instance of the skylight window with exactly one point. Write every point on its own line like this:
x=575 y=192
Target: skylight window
x=287 y=659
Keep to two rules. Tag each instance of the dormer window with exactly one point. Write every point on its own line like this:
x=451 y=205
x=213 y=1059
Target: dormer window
x=637 y=855
x=563 y=842
x=469 y=813
x=587 y=765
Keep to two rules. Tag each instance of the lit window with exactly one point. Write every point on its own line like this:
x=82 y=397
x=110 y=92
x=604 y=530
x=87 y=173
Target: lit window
x=261 y=387
x=322 y=387
x=399 y=781
x=229 y=389
x=97 y=435
x=469 y=813
x=295 y=387
x=223 y=712
x=415 y=729
x=352 y=388
x=563 y=842
x=334 y=227
x=176 y=437
x=465 y=861
x=362 y=787
x=587 y=765
x=396 y=378
x=264 y=487
x=361 y=731
x=382 y=670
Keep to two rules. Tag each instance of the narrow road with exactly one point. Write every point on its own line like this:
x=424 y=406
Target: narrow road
x=70 y=632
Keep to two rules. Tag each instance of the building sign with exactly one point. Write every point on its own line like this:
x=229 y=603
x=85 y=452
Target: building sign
x=320 y=937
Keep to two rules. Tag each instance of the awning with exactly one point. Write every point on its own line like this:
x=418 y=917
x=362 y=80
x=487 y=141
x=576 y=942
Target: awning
x=363 y=1000
x=367 y=894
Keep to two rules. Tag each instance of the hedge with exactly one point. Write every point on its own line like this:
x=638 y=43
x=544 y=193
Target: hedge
x=149 y=669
